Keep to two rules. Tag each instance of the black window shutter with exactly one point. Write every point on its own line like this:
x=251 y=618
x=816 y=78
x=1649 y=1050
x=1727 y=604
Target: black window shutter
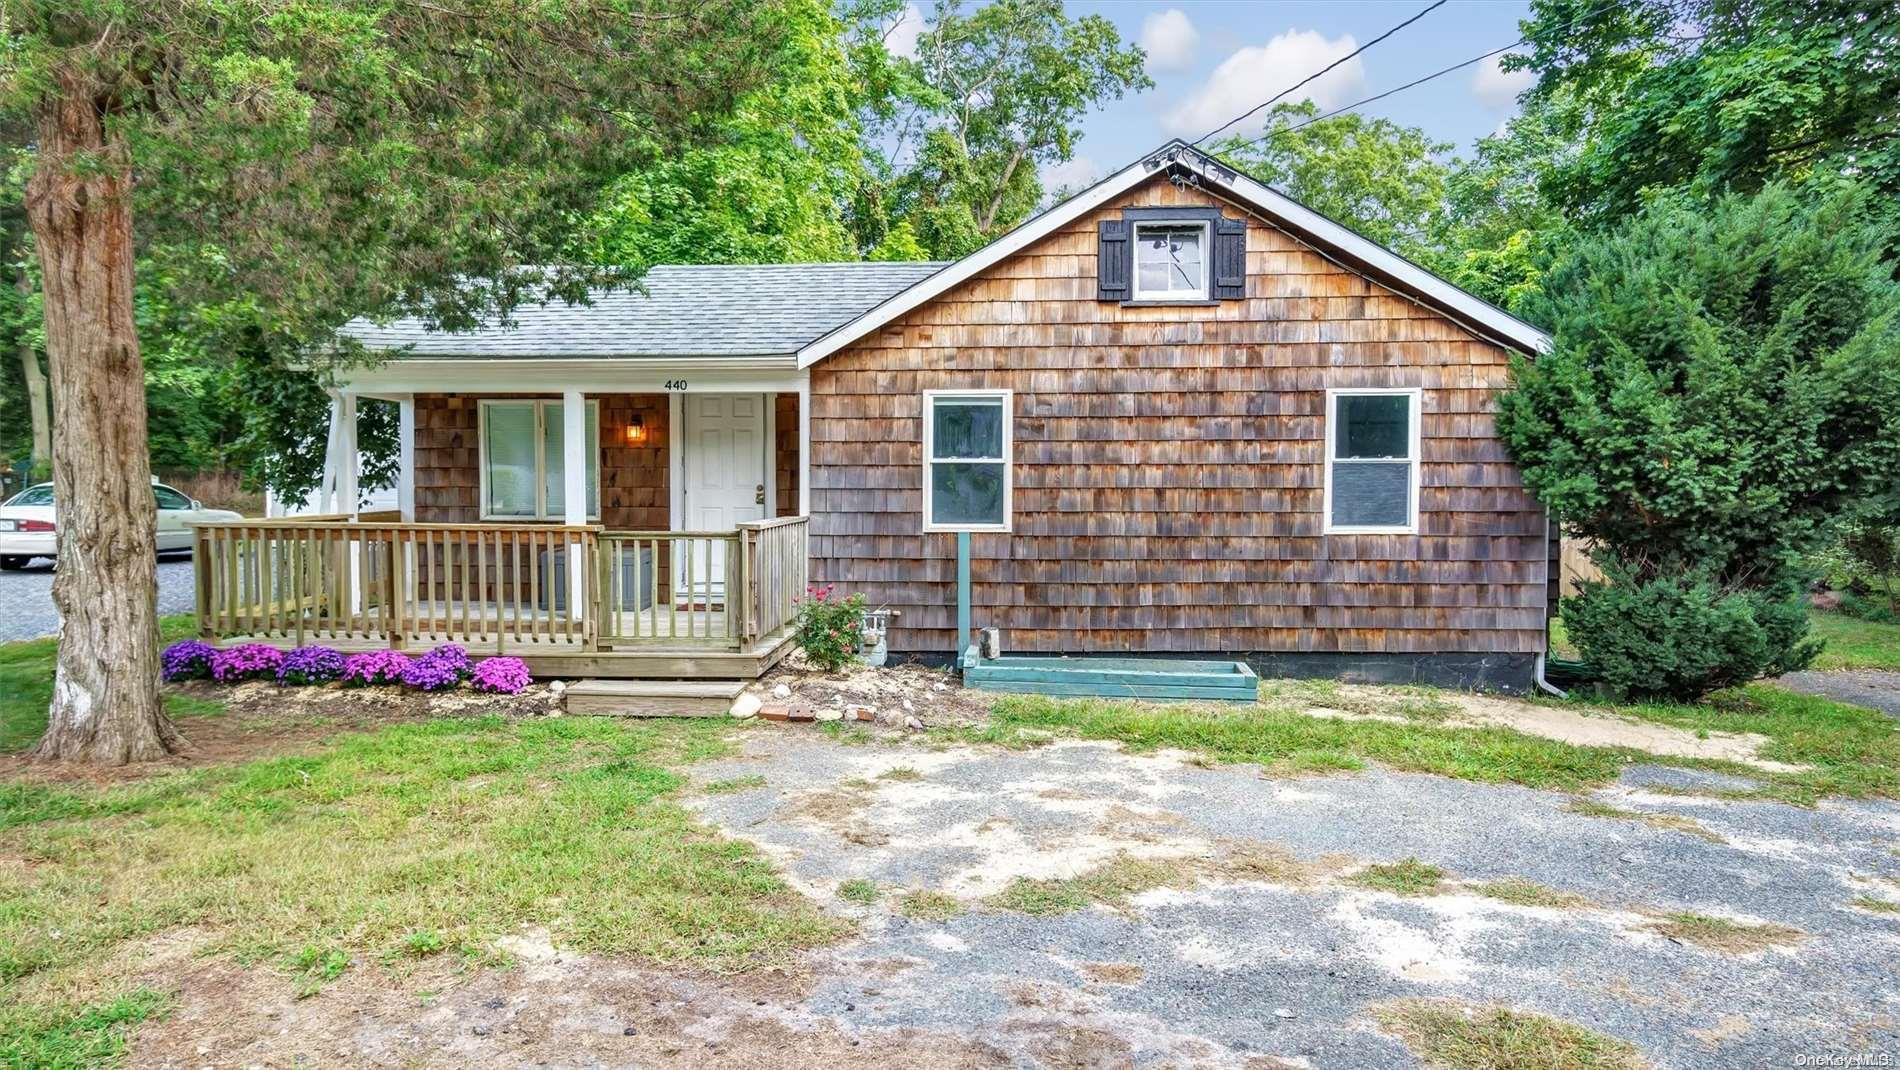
x=1112 y=261
x=1230 y=259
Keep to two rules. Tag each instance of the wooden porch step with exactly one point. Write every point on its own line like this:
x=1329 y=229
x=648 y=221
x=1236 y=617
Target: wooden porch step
x=652 y=698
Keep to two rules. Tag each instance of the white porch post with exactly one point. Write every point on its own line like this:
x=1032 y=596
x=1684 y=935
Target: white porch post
x=332 y=458
x=349 y=466
x=804 y=444
x=348 y=462
x=574 y=449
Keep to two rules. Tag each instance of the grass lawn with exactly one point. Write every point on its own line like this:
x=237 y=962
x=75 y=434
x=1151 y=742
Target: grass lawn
x=26 y=685
x=1852 y=643
x=424 y=838
x=1851 y=751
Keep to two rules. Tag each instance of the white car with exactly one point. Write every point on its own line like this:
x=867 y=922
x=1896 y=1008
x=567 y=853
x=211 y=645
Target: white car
x=27 y=524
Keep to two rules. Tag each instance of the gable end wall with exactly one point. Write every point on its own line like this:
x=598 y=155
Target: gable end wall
x=1168 y=466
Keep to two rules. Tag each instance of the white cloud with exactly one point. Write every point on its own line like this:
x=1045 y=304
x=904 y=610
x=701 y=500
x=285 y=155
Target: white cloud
x=1497 y=88
x=1257 y=72
x=1072 y=174
x=901 y=38
x=1169 y=38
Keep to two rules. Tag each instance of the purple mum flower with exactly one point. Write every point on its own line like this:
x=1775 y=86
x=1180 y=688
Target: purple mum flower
x=433 y=672
x=189 y=660
x=310 y=665
x=374 y=667
x=503 y=676
x=246 y=661
x=453 y=656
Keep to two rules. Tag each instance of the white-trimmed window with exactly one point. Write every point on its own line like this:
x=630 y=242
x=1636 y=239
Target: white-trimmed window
x=523 y=458
x=1372 y=458
x=967 y=460
x=1171 y=261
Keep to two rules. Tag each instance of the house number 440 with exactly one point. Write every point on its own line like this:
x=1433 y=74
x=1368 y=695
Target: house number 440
x=676 y=384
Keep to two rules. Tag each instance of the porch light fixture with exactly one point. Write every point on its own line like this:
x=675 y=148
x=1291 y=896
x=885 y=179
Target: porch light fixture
x=636 y=432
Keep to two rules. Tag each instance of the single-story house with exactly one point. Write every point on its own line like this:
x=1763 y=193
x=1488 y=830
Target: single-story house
x=1178 y=413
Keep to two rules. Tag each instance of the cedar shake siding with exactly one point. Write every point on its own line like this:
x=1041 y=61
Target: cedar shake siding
x=1169 y=466
x=785 y=452
x=634 y=480
x=634 y=493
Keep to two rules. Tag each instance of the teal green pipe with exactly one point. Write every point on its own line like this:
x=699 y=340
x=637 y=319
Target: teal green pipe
x=963 y=595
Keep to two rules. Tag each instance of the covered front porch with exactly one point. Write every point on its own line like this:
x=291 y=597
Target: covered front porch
x=614 y=528
x=574 y=601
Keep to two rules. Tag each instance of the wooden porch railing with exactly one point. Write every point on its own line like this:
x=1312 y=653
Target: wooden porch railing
x=701 y=588
x=496 y=587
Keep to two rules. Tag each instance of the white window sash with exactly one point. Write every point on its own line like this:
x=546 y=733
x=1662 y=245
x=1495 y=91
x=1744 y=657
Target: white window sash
x=1207 y=255
x=930 y=460
x=1413 y=459
x=540 y=406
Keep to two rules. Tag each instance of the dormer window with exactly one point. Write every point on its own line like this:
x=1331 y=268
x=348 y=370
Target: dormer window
x=1171 y=261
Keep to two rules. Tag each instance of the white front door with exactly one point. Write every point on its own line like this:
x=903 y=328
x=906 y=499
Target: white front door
x=724 y=463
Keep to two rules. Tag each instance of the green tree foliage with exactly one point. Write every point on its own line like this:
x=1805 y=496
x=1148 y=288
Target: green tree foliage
x=1715 y=96
x=993 y=95
x=1724 y=382
x=317 y=161
x=774 y=181
x=1386 y=181
x=1499 y=232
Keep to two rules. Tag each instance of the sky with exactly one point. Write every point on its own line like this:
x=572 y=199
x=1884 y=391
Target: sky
x=1213 y=59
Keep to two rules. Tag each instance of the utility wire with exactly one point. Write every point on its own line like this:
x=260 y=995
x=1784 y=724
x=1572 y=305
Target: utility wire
x=1278 y=130
x=1428 y=9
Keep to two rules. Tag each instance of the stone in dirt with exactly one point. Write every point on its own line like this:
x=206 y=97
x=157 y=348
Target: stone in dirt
x=831 y=714
x=913 y=724
x=746 y=705
x=781 y=691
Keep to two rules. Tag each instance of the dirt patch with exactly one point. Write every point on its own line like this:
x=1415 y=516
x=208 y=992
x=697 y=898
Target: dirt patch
x=262 y=720
x=1078 y=1048
x=1725 y=935
x=1603 y=729
x=1673 y=822
x=829 y=807
x=1253 y=861
x=1728 y=1027
x=1113 y=973
x=1452 y=1034
x=554 y=1010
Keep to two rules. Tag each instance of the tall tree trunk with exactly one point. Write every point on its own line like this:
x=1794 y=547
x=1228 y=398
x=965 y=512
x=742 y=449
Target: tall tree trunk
x=37 y=412
x=106 y=705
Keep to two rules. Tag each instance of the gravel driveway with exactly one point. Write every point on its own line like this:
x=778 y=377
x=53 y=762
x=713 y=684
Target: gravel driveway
x=26 y=597
x=1248 y=965
x=1871 y=688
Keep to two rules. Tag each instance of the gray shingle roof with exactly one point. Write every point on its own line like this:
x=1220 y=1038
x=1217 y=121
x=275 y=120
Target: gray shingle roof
x=689 y=310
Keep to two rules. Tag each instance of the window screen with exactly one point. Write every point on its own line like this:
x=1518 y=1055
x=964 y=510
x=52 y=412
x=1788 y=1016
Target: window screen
x=968 y=477
x=1371 y=459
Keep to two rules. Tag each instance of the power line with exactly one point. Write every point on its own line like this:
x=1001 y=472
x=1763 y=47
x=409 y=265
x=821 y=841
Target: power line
x=1277 y=131
x=1428 y=9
